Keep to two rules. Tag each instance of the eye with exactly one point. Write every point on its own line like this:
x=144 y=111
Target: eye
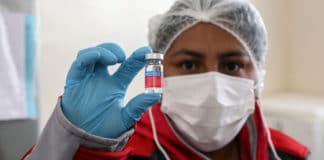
x=189 y=66
x=233 y=67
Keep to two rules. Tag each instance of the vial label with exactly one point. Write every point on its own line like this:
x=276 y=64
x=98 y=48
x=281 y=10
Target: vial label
x=153 y=79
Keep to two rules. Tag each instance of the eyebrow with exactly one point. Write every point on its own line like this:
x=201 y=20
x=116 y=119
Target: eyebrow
x=222 y=55
x=188 y=52
x=233 y=53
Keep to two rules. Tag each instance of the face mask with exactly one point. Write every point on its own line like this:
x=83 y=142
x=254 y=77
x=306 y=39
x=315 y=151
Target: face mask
x=208 y=110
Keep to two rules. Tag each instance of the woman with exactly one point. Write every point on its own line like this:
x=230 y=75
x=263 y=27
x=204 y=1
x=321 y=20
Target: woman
x=214 y=52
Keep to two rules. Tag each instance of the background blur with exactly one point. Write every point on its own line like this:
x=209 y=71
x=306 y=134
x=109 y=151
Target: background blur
x=294 y=90
x=294 y=61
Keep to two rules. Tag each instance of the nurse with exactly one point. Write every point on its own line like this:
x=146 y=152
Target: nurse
x=214 y=53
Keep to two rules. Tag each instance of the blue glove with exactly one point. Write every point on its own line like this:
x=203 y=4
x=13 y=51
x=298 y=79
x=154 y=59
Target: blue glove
x=93 y=98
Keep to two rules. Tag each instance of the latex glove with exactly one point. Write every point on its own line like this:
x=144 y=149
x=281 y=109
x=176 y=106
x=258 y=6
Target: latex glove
x=93 y=98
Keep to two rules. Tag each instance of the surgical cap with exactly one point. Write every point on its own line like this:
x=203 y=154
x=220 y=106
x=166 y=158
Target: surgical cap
x=238 y=17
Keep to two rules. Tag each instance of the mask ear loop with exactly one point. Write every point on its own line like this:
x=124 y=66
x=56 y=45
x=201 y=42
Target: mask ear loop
x=258 y=89
x=276 y=156
x=155 y=137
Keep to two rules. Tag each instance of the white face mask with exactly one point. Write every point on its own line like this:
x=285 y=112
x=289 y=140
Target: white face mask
x=208 y=109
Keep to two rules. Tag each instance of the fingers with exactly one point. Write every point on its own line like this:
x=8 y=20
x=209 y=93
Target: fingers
x=115 y=49
x=137 y=106
x=86 y=60
x=107 y=54
x=95 y=55
x=129 y=68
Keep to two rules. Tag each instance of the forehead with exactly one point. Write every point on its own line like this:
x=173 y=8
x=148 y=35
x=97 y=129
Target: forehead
x=208 y=39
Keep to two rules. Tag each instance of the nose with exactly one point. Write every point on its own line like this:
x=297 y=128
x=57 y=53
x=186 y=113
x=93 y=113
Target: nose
x=211 y=66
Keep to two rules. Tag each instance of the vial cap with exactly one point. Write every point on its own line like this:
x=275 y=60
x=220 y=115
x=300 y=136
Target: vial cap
x=154 y=56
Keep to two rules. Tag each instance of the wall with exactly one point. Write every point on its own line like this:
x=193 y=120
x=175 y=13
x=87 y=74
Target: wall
x=274 y=14
x=306 y=52
x=296 y=36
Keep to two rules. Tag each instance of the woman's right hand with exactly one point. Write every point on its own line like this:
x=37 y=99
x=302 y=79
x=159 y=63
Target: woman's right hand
x=93 y=98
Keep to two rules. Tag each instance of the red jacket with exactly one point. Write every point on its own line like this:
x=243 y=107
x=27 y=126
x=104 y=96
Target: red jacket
x=142 y=146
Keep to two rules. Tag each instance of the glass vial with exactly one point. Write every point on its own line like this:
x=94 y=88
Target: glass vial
x=153 y=73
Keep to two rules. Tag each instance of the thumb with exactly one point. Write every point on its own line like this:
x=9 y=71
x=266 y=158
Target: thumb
x=137 y=106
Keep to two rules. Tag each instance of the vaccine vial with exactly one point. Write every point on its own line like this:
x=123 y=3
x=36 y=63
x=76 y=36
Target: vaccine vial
x=153 y=73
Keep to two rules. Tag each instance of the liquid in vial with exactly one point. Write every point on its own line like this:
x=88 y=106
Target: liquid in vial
x=153 y=73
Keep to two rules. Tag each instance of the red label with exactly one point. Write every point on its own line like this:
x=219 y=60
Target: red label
x=153 y=82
